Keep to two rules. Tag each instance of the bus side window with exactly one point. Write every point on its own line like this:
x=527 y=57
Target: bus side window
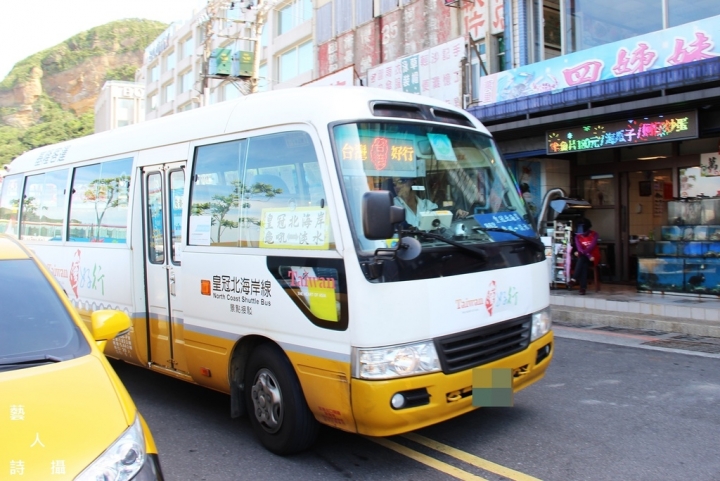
x=9 y=205
x=216 y=193
x=284 y=204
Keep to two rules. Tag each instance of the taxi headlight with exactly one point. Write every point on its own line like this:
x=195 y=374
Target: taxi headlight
x=541 y=323
x=122 y=460
x=395 y=361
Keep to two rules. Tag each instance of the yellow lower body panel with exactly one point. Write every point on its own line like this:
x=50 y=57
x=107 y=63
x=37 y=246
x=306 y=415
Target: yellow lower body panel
x=450 y=394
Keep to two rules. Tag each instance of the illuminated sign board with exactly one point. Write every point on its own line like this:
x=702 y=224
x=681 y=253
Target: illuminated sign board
x=383 y=156
x=606 y=135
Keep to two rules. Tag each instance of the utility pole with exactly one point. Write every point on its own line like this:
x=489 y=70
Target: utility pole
x=259 y=9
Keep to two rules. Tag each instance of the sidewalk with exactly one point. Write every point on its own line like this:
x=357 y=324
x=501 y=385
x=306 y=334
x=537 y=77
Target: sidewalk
x=621 y=306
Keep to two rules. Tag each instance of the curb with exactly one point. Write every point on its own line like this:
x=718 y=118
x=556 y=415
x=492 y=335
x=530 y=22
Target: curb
x=583 y=317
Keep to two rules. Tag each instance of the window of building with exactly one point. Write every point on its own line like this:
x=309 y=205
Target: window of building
x=43 y=209
x=169 y=92
x=10 y=205
x=264 y=191
x=296 y=61
x=388 y=6
x=682 y=11
x=154 y=73
x=187 y=80
x=230 y=91
x=363 y=11
x=99 y=202
x=294 y=14
x=152 y=102
x=187 y=47
x=589 y=23
x=263 y=81
x=125 y=112
x=186 y=106
x=170 y=61
x=343 y=16
x=324 y=23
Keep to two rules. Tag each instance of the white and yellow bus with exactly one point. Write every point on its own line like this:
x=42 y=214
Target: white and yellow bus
x=262 y=249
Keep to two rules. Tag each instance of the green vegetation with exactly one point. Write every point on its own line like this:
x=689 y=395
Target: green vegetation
x=116 y=37
x=53 y=123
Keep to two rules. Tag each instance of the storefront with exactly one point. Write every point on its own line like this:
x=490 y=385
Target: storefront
x=633 y=143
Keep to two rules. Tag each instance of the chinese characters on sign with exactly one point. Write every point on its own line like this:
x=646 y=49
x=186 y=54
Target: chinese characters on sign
x=647 y=130
x=248 y=292
x=388 y=156
x=710 y=164
x=434 y=72
x=692 y=42
x=509 y=221
x=299 y=228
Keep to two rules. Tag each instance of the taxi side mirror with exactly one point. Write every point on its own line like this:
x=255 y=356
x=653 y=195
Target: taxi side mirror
x=107 y=324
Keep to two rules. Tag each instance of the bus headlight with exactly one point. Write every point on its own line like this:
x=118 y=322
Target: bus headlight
x=122 y=460
x=541 y=323
x=395 y=361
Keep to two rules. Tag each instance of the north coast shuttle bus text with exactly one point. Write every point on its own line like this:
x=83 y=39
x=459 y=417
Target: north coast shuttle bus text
x=336 y=255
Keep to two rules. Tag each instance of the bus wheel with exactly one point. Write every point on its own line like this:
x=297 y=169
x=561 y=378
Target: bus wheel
x=276 y=405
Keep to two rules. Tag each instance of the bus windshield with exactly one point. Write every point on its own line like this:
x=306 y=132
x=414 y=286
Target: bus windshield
x=450 y=181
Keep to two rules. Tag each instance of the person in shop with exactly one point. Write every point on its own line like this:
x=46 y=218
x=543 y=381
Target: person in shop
x=587 y=253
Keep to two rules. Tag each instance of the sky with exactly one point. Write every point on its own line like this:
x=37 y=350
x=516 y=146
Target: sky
x=28 y=26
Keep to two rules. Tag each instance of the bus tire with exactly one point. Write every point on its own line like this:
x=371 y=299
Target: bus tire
x=275 y=403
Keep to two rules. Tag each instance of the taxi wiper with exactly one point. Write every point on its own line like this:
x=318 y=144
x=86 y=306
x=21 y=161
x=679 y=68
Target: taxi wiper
x=473 y=250
x=538 y=244
x=22 y=360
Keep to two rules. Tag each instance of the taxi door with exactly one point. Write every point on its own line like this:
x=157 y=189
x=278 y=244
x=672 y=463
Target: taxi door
x=163 y=188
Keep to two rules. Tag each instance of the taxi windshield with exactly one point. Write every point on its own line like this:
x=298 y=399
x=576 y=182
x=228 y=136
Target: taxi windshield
x=451 y=181
x=34 y=323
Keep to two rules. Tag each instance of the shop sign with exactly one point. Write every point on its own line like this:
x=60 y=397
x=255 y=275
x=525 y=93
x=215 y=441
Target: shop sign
x=710 y=164
x=682 y=44
x=605 y=135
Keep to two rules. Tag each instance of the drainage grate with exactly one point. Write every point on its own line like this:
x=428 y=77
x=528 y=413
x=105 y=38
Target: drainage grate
x=627 y=330
x=708 y=347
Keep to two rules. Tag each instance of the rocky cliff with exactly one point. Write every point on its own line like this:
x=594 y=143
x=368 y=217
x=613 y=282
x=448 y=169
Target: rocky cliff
x=68 y=77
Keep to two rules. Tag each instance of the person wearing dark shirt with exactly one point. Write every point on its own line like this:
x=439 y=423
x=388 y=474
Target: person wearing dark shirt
x=587 y=252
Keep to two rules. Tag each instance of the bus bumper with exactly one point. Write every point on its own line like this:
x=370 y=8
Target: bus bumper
x=450 y=394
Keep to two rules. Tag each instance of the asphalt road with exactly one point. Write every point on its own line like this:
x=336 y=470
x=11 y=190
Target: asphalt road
x=603 y=412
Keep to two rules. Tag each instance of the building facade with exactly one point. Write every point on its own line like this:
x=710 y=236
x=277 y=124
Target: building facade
x=620 y=107
x=119 y=104
x=174 y=70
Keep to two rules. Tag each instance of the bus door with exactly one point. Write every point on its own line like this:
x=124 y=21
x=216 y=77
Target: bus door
x=163 y=205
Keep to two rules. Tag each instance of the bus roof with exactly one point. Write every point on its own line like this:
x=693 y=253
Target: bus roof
x=315 y=105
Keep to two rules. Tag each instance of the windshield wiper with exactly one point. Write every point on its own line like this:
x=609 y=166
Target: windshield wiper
x=473 y=250
x=538 y=244
x=22 y=360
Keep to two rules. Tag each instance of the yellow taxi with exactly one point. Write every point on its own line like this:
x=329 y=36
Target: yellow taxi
x=64 y=413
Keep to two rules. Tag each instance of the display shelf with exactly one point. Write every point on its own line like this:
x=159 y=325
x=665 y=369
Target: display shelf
x=561 y=252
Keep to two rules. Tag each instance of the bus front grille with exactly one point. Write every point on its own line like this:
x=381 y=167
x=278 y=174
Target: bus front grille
x=483 y=345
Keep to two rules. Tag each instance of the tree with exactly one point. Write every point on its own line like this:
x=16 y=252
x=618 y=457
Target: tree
x=103 y=194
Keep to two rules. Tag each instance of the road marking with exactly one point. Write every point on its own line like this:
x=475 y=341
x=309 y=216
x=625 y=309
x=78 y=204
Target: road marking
x=470 y=458
x=426 y=460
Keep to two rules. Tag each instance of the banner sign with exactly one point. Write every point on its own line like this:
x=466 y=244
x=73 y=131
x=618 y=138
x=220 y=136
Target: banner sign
x=605 y=135
x=434 y=72
x=664 y=48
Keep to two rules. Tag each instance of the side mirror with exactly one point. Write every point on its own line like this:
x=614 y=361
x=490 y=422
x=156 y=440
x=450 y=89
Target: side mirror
x=379 y=215
x=107 y=324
